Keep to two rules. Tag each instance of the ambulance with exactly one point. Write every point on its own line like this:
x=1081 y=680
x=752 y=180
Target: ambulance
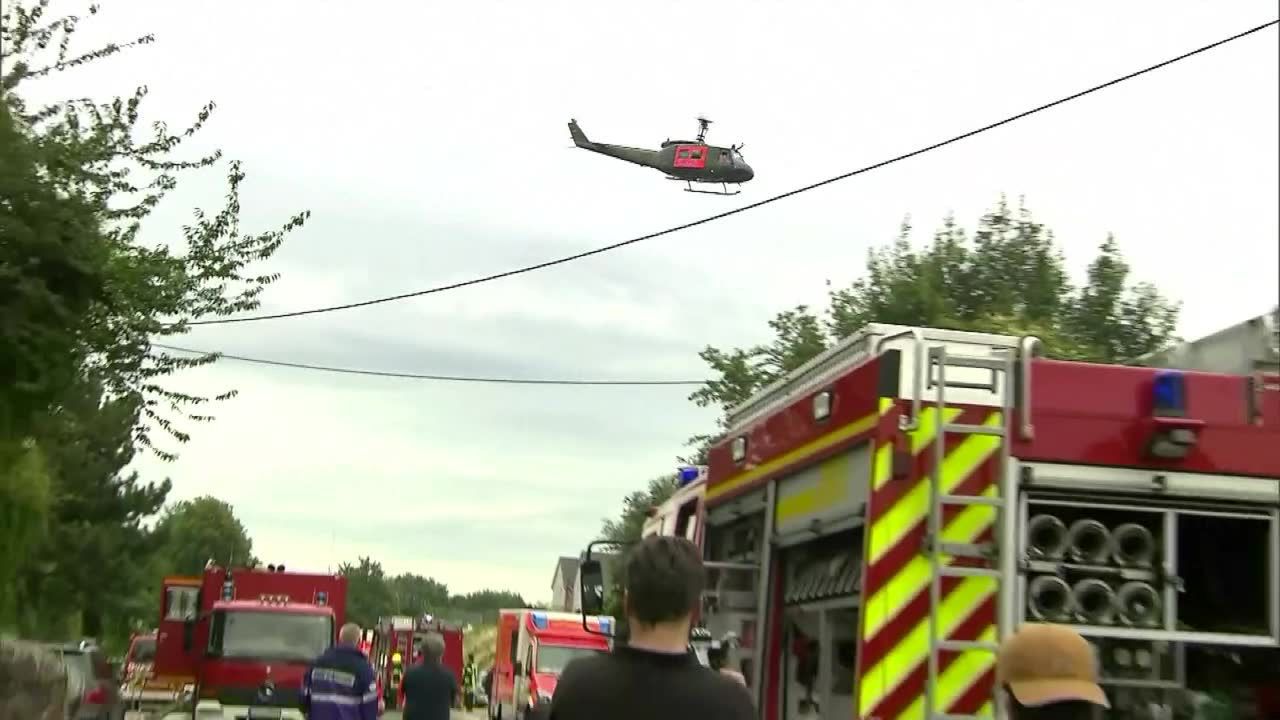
x=532 y=647
x=877 y=520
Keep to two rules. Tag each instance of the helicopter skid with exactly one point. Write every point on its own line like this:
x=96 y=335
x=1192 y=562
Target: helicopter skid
x=726 y=191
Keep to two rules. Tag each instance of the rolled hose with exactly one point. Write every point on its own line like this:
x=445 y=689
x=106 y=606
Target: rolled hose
x=1094 y=601
x=1133 y=545
x=1138 y=604
x=1046 y=537
x=1089 y=542
x=1049 y=598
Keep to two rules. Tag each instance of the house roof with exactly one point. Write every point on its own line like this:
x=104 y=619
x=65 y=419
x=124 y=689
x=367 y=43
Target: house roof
x=566 y=570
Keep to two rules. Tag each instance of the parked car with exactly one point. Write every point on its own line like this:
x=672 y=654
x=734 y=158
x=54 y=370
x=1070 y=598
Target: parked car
x=91 y=682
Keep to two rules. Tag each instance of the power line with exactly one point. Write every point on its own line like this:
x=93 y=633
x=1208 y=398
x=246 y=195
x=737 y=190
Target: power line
x=424 y=376
x=744 y=208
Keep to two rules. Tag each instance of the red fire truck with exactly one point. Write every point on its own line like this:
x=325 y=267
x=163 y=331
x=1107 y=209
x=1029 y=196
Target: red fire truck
x=532 y=647
x=877 y=520
x=396 y=645
x=243 y=637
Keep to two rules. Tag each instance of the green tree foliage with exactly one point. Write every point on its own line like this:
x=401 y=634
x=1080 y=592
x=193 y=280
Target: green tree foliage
x=373 y=594
x=415 y=594
x=25 y=497
x=90 y=155
x=1009 y=277
x=88 y=562
x=190 y=533
x=369 y=594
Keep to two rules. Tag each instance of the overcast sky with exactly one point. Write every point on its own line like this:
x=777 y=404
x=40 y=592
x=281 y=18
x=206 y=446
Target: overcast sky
x=429 y=141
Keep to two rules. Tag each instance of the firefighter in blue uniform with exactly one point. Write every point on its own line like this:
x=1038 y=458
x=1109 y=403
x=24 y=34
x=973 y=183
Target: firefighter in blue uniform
x=340 y=684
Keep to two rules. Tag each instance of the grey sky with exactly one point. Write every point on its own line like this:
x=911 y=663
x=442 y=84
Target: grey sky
x=429 y=141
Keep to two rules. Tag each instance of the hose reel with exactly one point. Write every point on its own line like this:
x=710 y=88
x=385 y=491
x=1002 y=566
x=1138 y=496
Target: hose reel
x=1046 y=537
x=1089 y=542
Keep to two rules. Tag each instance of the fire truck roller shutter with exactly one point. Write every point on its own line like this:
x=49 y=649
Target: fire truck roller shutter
x=831 y=490
x=895 y=622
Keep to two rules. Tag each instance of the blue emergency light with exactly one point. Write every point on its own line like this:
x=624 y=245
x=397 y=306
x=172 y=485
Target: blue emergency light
x=228 y=590
x=606 y=625
x=540 y=620
x=687 y=474
x=322 y=597
x=1169 y=394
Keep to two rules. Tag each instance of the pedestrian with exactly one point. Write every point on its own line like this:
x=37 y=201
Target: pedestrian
x=341 y=684
x=469 y=682
x=654 y=674
x=1050 y=672
x=34 y=683
x=429 y=688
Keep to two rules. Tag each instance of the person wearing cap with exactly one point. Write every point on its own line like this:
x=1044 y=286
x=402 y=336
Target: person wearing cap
x=1050 y=672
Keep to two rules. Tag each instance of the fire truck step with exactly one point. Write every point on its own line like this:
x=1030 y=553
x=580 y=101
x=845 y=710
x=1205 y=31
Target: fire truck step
x=967 y=550
x=968 y=572
x=964 y=429
x=987 y=500
x=981 y=363
x=967 y=645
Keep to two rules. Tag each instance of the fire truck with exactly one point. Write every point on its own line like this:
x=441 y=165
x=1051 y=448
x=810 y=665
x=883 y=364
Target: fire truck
x=531 y=649
x=141 y=689
x=396 y=645
x=679 y=515
x=242 y=638
x=877 y=520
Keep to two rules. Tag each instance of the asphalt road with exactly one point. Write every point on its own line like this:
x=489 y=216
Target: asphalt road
x=477 y=714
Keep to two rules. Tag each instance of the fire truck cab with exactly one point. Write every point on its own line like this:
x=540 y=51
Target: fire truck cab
x=876 y=521
x=681 y=515
x=532 y=647
x=243 y=637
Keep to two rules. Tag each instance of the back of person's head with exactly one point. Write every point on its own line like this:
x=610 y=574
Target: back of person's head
x=349 y=634
x=33 y=683
x=664 y=580
x=433 y=647
x=1050 y=673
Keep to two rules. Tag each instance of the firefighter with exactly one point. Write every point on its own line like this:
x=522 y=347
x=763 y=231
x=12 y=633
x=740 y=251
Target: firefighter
x=340 y=684
x=469 y=682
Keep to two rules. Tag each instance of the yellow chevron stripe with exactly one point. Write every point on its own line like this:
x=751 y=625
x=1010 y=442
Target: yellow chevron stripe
x=913 y=649
x=926 y=430
x=956 y=680
x=965 y=527
x=817 y=445
x=912 y=508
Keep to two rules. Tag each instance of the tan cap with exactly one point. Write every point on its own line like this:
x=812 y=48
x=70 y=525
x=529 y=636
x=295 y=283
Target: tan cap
x=1044 y=664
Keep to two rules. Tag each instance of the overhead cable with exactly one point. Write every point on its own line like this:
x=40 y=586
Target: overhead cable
x=424 y=376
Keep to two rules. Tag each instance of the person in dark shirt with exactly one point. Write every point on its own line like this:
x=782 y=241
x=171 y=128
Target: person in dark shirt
x=654 y=674
x=430 y=689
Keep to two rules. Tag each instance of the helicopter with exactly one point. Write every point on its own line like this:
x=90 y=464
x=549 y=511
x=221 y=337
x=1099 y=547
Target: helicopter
x=690 y=161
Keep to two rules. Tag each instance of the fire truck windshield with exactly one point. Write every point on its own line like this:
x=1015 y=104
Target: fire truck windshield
x=253 y=634
x=553 y=658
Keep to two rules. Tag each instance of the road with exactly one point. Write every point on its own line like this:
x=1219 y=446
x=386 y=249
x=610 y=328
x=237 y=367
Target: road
x=478 y=714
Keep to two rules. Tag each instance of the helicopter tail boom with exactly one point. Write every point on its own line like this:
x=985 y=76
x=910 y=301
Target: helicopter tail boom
x=579 y=137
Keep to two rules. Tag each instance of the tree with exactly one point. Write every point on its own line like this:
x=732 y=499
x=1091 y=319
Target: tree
x=1010 y=278
x=416 y=595
x=193 y=532
x=369 y=595
x=91 y=158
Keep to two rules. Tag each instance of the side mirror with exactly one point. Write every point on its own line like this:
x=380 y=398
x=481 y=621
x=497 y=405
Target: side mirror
x=188 y=635
x=592 y=574
x=518 y=668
